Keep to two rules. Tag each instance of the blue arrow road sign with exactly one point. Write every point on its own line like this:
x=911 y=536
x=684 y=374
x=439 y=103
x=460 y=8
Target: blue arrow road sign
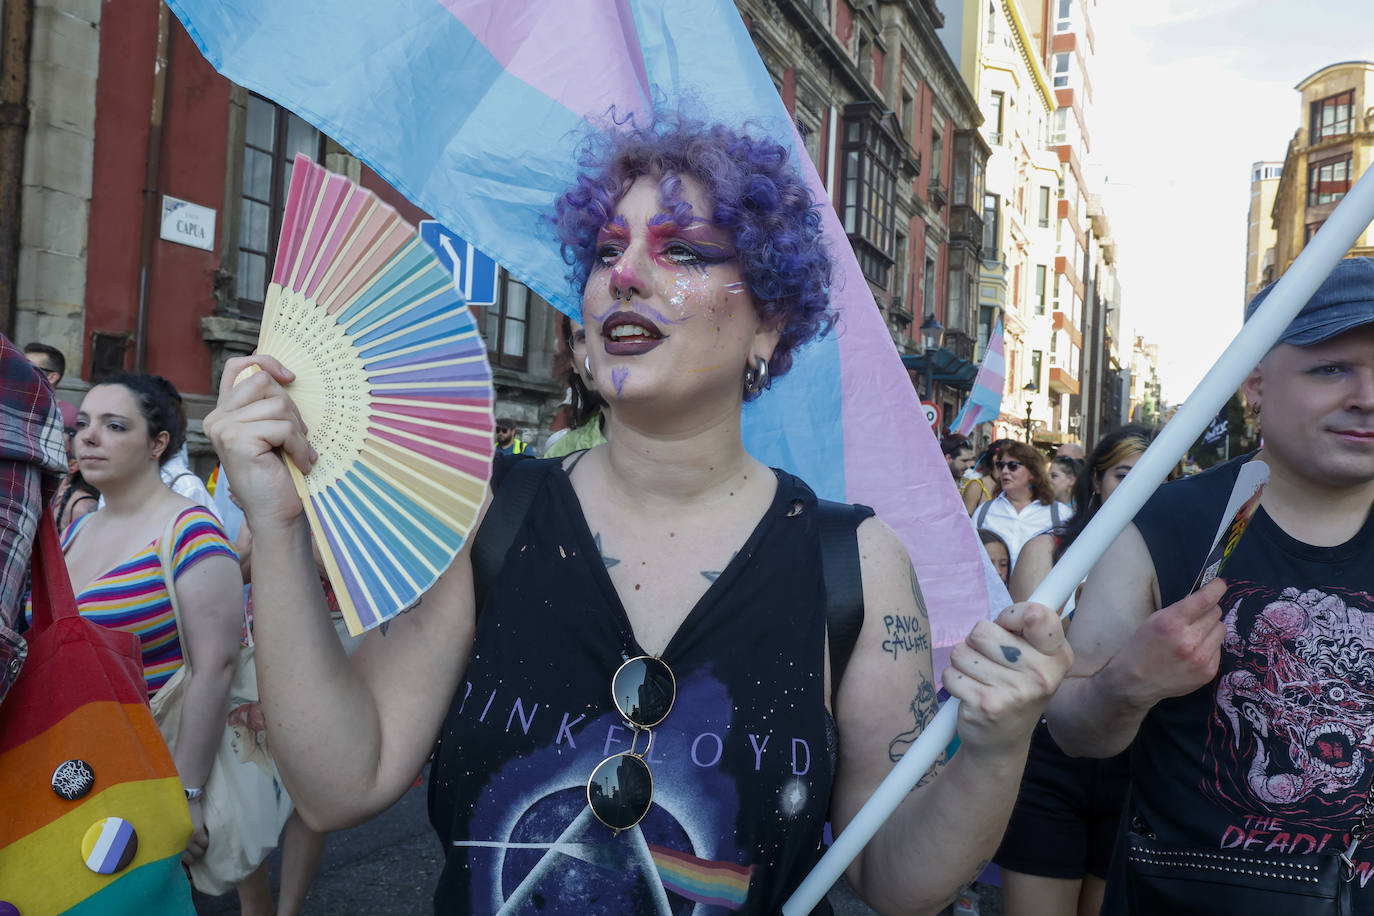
x=474 y=273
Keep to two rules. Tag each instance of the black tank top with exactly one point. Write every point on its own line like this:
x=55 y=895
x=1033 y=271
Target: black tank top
x=742 y=767
x=1277 y=754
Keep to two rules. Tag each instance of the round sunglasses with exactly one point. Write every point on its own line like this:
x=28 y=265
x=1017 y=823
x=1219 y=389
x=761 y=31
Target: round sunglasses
x=620 y=791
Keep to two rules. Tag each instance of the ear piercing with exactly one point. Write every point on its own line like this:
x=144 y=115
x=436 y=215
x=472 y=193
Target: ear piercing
x=756 y=380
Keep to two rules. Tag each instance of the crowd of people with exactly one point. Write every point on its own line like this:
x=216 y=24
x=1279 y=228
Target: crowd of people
x=656 y=561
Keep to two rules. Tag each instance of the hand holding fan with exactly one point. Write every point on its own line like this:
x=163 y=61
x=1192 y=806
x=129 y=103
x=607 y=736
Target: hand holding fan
x=393 y=384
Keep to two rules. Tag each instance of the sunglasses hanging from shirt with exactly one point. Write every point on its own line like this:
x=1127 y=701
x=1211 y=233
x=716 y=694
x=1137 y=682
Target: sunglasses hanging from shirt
x=621 y=788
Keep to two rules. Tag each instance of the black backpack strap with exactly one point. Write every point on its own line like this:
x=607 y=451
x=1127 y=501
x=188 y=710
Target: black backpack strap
x=838 y=527
x=509 y=506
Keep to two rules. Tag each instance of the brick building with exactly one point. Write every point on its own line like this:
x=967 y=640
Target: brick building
x=892 y=129
x=130 y=133
x=142 y=226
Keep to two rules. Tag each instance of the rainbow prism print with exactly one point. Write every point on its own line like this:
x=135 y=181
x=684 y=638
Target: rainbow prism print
x=722 y=884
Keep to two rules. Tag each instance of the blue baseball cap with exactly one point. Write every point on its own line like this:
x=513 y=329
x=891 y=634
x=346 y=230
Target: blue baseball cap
x=1343 y=302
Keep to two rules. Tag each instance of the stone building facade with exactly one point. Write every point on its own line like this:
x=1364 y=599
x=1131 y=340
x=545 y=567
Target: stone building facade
x=126 y=119
x=1259 y=227
x=1332 y=147
x=1001 y=64
x=892 y=129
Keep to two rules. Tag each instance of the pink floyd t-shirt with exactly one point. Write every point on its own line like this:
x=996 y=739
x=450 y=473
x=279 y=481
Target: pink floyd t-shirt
x=1276 y=755
x=742 y=766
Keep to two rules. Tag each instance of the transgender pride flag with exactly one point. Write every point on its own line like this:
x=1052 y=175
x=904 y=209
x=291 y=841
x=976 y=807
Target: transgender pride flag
x=985 y=403
x=474 y=108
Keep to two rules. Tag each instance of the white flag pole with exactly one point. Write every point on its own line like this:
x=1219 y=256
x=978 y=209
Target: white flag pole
x=1331 y=243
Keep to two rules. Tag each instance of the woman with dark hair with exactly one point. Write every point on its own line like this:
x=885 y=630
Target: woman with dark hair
x=586 y=418
x=997 y=552
x=1055 y=854
x=1026 y=506
x=982 y=485
x=641 y=719
x=128 y=425
x=1064 y=473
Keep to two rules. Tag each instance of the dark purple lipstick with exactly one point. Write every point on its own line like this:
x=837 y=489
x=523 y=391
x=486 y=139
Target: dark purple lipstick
x=627 y=333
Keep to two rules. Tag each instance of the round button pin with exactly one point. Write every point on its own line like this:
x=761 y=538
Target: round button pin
x=109 y=845
x=73 y=779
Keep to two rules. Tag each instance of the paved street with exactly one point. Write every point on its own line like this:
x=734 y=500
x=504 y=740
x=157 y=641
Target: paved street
x=389 y=866
x=386 y=867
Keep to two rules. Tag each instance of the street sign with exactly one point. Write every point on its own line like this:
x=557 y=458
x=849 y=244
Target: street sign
x=474 y=273
x=188 y=224
x=932 y=414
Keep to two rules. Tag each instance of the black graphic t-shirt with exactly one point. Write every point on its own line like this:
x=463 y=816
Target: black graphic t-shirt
x=1276 y=755
x=742 y=767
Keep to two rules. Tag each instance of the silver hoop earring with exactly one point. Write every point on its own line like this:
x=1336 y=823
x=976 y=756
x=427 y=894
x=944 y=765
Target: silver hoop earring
x=756 y=380
x=587 y=364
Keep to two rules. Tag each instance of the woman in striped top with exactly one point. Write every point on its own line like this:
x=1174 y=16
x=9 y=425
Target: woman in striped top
x=127 y=426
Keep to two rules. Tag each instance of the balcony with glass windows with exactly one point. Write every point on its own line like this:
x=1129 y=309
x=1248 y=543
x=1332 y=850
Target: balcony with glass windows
x=965 y=225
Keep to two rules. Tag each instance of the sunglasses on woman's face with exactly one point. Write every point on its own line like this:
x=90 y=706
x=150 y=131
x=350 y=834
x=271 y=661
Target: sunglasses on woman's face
x=621 y=788
x=1012 y=466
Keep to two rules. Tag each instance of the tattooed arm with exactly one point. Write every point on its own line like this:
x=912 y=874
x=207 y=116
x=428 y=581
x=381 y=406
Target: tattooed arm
x=943 y=833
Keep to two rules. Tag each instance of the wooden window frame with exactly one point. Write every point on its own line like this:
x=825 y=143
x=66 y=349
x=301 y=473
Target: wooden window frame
x=278 y=183
x=497 y=322
x=868 y=207
x=1315 y=183
x=1339 y=127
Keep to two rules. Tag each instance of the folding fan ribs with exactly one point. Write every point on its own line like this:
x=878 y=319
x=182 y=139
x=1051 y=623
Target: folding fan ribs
x=393 y=384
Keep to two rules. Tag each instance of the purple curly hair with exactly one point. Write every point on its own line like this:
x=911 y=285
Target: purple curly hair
x=759 y=199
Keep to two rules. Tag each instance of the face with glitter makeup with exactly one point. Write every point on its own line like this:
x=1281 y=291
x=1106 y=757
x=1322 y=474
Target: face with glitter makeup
x=667 y=309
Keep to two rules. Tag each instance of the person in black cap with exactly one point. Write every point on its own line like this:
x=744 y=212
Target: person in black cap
x=1250 y=702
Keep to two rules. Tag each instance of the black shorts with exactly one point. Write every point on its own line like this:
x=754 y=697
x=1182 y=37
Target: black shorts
x=1065 y=820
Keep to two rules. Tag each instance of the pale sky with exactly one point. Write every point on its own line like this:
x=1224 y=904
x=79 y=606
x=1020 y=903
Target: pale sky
x=1187 y=94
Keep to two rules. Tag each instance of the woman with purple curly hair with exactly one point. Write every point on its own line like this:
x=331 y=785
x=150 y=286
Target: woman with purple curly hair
x=640 y=703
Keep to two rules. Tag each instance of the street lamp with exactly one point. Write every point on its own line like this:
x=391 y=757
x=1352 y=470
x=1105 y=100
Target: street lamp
x=932 y=336
x=1032 y=388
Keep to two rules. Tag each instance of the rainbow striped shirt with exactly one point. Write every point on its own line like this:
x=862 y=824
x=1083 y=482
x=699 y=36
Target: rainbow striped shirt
x=133 y=596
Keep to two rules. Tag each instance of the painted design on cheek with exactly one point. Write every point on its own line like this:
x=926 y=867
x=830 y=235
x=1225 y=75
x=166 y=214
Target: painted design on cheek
x=735 y=288
x=681 y=287
x=618 y=376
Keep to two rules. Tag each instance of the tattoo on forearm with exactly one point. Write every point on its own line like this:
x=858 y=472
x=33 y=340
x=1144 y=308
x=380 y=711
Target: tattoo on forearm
x=1011 y=653
x=609 y=561
x=923 y=709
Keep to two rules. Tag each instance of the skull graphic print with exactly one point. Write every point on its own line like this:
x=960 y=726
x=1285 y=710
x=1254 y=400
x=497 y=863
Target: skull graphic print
x=1293 y=727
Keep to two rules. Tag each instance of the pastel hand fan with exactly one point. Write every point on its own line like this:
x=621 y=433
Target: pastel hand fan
x=394 y=387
